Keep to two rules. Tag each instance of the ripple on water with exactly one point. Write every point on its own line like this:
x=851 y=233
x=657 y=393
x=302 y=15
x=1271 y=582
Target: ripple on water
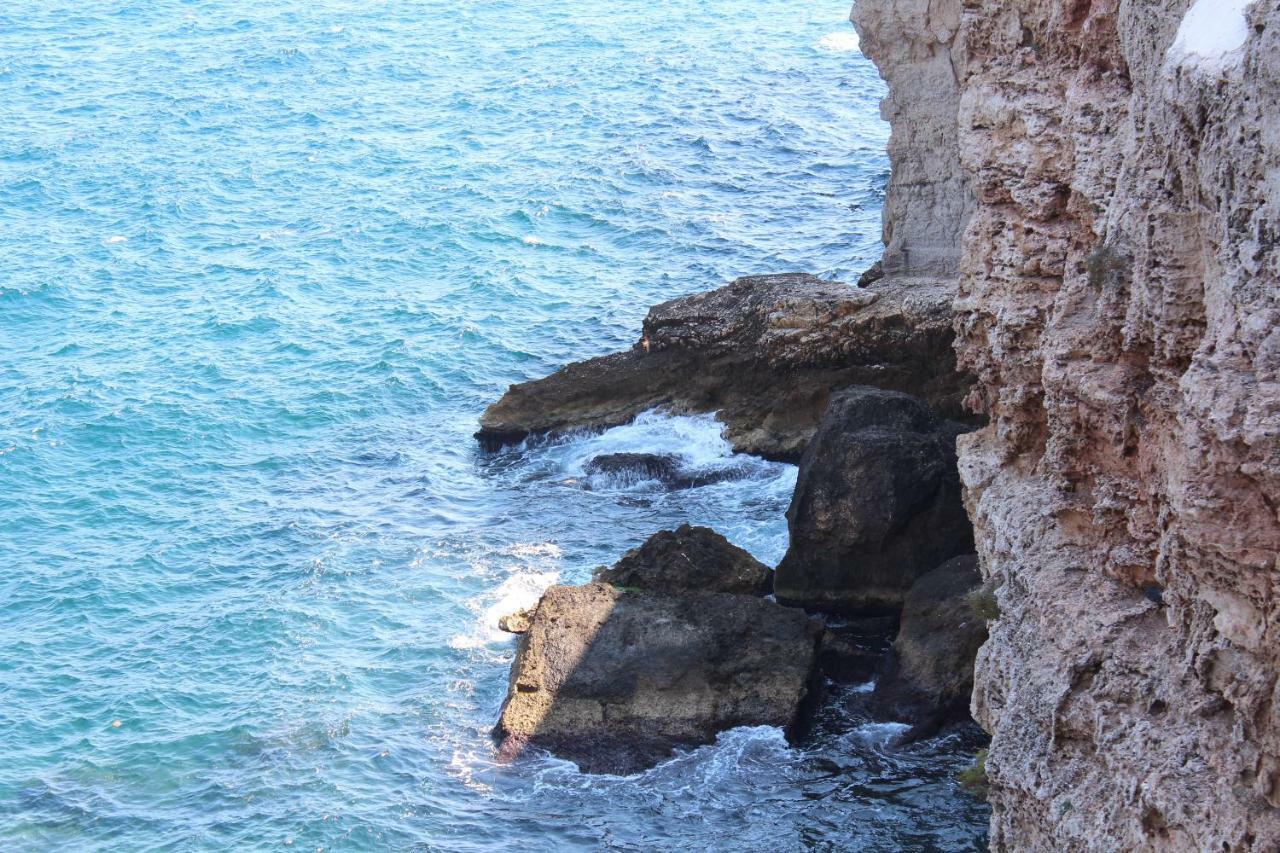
x=263 y=265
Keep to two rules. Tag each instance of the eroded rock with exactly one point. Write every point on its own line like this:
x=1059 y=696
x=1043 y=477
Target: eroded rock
x=689 y=559
x=764 y=352
x=615 y=680
x=877 y=504
x=1119 y=300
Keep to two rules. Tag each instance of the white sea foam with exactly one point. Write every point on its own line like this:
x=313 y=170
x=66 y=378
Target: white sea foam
x=841 y=41
x=879 y=734
x=532 y=241
x=538 y=568
x=117 y=238
x=1210 y=36
x=703 y=452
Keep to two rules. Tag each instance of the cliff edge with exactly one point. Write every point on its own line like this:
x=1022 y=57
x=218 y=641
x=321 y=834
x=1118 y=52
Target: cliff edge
x=1118 y=300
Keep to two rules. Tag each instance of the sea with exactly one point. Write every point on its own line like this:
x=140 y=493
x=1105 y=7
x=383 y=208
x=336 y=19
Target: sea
x=262 y=266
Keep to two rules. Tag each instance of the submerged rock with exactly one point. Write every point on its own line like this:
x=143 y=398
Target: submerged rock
x=929 y=679
x=613 y=680
x=689 y=559
x=764 y=352
x=877 y=504
x=638 y=466
x=667 y=469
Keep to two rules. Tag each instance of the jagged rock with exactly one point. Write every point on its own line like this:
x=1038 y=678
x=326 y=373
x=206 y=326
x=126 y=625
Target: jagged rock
x=665 y=468
x=614 y=680
x=877 y=504
x=689 y=559
x=764 y=352
x=929 y=679
x=516 y=623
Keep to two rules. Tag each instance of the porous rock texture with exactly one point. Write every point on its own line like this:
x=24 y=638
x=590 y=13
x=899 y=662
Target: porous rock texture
x=1119 y=303
x=689 y=559
x=614 y=680
x=763 y=352
x=877 y=504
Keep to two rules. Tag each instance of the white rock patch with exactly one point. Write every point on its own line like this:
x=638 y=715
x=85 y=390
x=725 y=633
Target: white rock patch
x=1210 y=36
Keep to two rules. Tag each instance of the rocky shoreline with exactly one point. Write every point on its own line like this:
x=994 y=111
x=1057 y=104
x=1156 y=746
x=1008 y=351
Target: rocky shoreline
x=1073 y=335
x=681 y=638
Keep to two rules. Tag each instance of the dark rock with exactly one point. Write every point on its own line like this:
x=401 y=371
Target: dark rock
x=764 y=352
x=615 y=680
x=877 y=504
x=689 y=559
x=665 y=468
x=871 y=274
x=849 y=660
x=929 y=677
x=635 y=466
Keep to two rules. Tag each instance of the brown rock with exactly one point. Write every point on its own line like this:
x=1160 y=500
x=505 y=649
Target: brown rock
x=1119 y=301
x=764 y=352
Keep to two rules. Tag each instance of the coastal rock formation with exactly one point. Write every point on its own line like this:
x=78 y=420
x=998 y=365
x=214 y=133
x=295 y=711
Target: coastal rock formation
x=929 y=679
x=689 y=559
x=614 y=680
x=1119 y=302
x=877 y=504
x=764 y=352
x=928 y=200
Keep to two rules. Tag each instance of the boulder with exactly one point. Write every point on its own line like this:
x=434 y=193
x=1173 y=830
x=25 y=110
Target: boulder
x=634 y=467
x=689 y=559
x=877 y=504
x=613 y=680
x=929 y=678
x=764 y=352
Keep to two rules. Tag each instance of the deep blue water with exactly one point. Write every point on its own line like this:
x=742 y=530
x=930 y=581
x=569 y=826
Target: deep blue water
x=262 y=265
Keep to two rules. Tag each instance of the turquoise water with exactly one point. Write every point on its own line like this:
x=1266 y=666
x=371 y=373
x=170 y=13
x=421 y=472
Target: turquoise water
x=262 y=265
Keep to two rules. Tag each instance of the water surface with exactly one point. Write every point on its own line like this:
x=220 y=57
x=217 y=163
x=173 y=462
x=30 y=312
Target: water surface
x=261 y=267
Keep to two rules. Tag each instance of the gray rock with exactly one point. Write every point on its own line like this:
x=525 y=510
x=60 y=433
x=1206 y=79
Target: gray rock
x=615 y=680
x=689 y=559
x=877 y=504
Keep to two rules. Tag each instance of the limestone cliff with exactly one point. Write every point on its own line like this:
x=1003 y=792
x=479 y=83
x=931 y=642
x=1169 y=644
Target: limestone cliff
x=1119 y=299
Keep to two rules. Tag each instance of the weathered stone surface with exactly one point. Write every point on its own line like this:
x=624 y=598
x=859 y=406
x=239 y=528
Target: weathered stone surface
x=689 y=559
x=764 y=352
x=614 y=680
x=1119 y=303
x=877 y=504
x=928 y=200
x=516 y=623
x=929 y=680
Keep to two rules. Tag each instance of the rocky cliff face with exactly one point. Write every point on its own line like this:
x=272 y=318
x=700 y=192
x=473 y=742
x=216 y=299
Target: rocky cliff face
x=927 y=202
x=1119 y=299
